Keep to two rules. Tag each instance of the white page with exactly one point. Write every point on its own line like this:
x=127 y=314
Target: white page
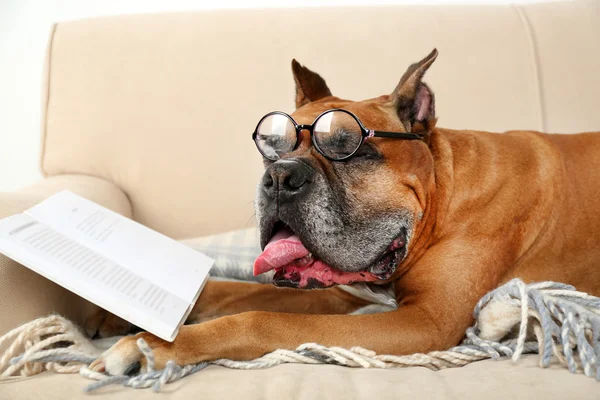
x=173 y=266
x=92 y=275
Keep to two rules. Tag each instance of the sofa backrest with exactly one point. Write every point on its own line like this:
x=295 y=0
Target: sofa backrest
x=164 y=105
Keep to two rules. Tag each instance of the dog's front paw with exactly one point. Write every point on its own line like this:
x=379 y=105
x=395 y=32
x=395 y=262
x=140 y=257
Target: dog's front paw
x=103 y=324
x=126 y=358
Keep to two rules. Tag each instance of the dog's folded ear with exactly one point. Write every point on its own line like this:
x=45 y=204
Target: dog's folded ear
x=412 y=99
x=309 y=85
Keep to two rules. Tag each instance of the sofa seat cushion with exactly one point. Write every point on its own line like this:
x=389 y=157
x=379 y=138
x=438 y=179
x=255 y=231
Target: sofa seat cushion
x=488 y=380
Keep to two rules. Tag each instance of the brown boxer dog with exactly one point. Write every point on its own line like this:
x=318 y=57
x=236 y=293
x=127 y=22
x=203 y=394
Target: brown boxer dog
x=444 y=219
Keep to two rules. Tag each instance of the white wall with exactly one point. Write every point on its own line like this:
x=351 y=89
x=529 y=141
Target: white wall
x=24 y=27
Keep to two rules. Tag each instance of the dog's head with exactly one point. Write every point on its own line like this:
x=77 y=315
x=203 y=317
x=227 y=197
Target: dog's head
x=326 y=222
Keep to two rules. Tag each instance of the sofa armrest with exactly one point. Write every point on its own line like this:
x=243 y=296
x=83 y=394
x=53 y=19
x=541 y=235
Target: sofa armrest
x=92 y=188
x=27 y=295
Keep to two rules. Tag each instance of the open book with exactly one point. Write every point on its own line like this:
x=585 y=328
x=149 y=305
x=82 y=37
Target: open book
x=126 y=268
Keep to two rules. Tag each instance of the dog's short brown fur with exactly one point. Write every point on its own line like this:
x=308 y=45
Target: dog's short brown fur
x=487 y=208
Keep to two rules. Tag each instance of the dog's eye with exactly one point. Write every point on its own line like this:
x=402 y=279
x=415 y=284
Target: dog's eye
x=367 y=152
x=340 y=143
x=343 y=143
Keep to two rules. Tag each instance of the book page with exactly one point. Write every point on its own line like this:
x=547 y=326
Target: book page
x=92 y=275
x=170 y=265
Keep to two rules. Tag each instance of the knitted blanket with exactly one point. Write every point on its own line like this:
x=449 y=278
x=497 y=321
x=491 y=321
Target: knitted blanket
x=548 y=318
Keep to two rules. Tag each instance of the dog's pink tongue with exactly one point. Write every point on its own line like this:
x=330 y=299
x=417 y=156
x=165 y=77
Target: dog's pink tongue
x=283 y=248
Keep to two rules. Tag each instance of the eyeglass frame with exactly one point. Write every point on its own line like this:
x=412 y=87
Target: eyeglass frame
x=366 y=133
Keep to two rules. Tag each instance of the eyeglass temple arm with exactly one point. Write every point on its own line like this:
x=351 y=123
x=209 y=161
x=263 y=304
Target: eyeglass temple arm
x=397 y=135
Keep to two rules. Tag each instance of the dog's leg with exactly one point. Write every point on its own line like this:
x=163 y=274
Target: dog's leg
x=222 y=298
x=238 y=302
x=251 y=334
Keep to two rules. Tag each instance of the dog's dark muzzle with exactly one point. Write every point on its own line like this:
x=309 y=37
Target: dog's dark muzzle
x=287 y=180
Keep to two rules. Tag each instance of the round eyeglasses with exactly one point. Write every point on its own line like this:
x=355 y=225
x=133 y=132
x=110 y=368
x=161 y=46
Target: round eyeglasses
x=337 y=134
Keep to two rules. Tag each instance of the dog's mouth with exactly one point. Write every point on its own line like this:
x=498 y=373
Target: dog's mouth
x=296 y=267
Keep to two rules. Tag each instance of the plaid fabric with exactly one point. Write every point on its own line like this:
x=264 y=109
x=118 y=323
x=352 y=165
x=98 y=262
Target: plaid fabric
x=234 y=254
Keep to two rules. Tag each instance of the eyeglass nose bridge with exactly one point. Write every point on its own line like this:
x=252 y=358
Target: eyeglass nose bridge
x=299 y=129
x=304 y=127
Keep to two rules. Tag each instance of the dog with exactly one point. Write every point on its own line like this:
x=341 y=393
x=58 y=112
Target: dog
x=442 y=220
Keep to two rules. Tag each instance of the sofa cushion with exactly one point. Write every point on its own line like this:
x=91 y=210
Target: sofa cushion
x=489 y=379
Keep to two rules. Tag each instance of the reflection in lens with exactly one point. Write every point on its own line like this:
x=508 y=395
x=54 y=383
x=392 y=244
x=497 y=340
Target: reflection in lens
x=276 y=136
x=337 y=134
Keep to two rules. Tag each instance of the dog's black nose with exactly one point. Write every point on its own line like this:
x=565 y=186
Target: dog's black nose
x=287 y=179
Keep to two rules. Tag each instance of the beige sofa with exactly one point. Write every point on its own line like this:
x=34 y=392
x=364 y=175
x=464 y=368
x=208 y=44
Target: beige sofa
x=151 y=116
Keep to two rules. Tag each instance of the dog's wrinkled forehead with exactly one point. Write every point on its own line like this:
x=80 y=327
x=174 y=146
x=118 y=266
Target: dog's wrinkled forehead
x=376 y=113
